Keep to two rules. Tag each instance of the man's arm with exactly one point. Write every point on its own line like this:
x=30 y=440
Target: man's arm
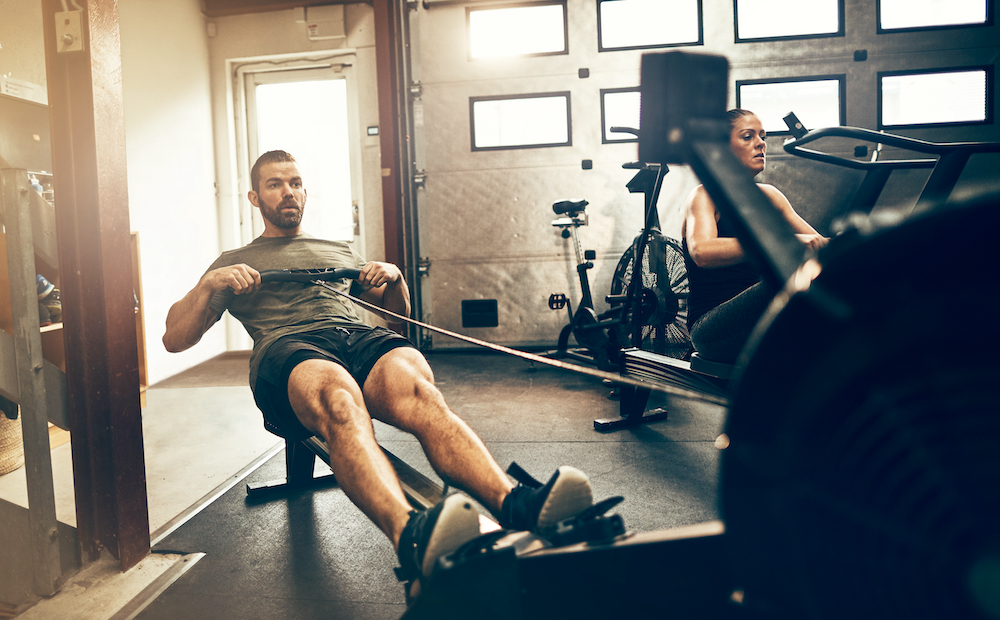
x=388 y=290
x=191 y=317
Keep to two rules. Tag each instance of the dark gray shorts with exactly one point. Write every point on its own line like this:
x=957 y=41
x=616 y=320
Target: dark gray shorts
x=355 y=348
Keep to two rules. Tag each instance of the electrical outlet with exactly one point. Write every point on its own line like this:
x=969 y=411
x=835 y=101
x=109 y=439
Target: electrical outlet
x=69 y=31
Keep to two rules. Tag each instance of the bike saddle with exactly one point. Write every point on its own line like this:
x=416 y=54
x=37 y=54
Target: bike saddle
x=570 y=207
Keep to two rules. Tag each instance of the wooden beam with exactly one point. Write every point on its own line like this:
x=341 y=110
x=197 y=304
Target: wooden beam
x=43 y=530
x=102 y=374
x=386 y=59
x=222 y=8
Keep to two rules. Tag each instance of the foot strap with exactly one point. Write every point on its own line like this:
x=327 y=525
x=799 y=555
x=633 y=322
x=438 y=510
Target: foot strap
x=592 y=525
x=408 y=570
x=516 y=472
x=405 y=574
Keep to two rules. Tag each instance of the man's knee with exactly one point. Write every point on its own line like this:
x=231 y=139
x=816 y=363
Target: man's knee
x=401 y=388
x=397 y=368
x=337 y=402
x=426 y=393
x=323 y=392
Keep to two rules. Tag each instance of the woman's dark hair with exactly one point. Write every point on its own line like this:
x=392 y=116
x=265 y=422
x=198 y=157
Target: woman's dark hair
x=737 y=113
x=270 y=157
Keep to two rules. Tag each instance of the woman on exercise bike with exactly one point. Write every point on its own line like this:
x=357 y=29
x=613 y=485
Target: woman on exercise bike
x=727 y=296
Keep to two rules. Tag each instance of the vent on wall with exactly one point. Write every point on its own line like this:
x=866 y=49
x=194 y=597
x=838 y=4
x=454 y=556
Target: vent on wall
x=479 y=313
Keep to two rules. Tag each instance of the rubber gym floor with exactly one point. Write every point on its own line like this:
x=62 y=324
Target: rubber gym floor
x=312 y=554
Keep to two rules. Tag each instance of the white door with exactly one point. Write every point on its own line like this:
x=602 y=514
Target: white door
x=308 y=112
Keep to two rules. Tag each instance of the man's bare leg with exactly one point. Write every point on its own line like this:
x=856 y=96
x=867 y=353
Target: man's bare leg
x=328 y=402
x=400 y=391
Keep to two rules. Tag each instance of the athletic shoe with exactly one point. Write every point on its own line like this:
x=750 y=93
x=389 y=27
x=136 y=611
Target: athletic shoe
x=432 y=534
x=43 y=316
x=537 y=508
x=53 y=303
x=49 y=296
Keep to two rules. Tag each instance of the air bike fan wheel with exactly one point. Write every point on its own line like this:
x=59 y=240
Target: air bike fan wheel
x=662 y=296
x=862 y=475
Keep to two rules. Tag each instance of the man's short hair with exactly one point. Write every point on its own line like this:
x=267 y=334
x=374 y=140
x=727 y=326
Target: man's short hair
x=270 y=157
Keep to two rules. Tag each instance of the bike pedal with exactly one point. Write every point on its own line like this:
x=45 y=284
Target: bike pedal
x=557 y=301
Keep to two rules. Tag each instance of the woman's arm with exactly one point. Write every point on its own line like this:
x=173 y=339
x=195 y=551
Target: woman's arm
x=805 y=233
x=701 y=231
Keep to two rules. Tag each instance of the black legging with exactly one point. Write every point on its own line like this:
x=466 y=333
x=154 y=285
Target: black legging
x=720 y=333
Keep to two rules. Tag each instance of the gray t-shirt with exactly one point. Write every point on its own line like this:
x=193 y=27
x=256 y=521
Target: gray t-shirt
x=281 y=308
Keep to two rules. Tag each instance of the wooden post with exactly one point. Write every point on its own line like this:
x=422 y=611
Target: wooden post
x=43 y=530
x=91 y=194
x=386 y=35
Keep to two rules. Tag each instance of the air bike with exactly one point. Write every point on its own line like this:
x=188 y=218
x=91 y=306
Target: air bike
x=648 y=297
x=859 y=473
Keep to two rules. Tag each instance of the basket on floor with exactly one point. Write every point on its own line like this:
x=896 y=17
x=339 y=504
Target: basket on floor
x=11 y=445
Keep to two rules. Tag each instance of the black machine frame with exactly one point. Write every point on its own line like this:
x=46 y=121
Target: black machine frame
x=945 y=168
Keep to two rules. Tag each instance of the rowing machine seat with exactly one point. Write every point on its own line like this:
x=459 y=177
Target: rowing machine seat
x=720 y=370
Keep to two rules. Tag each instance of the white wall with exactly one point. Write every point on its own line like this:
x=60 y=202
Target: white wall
x=171 y=164
x=22 y=51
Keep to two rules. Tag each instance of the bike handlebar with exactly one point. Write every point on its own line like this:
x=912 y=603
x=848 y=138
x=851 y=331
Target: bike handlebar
x=309 y=275
x=793 y=146
x=631 y=130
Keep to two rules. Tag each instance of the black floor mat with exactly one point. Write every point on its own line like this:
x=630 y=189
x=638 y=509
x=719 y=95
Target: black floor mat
x=314 y=555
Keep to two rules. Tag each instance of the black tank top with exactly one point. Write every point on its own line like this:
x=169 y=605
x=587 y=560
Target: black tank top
x=711 y=287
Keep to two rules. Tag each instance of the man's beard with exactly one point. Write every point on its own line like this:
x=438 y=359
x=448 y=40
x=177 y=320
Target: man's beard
x=281 y=219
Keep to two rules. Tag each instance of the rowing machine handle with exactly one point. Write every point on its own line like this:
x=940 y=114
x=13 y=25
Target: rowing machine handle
x=309 y=275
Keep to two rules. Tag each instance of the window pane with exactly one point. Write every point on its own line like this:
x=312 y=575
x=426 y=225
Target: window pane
x=309 y=120
x=620 y=109
x=925 y=98
x=895 y=14
x=517 y=31
x=521 y=122
x=816 y=102
x=767 y=19
x=626 y=24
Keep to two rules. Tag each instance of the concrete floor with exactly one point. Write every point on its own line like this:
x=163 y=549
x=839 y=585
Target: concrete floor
x=201 y=433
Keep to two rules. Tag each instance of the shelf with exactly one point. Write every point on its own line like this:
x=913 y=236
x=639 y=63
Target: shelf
x=52 y=335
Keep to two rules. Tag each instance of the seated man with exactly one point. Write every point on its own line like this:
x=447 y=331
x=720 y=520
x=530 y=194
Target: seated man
x=317 y=369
